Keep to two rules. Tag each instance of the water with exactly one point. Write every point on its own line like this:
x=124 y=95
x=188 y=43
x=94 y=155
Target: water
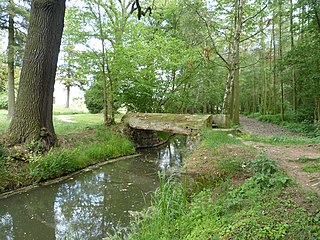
x=91 y=204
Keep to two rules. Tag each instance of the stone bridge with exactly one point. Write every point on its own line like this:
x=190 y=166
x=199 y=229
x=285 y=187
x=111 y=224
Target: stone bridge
x=143 y=127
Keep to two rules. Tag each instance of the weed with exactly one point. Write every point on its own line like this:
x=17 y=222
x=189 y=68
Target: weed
x=3 y=152
x=305 y=160
x=265 y=172
x=312 y=168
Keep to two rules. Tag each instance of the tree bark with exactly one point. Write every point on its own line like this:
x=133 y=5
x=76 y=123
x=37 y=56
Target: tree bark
x=293 y=74
x=231 y=104
x=280 y=58
x=68 y=96
x=11 y=95
x=32 y=119
x=274 y=88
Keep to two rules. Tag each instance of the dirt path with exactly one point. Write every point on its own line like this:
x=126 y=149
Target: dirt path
x=65 y=118
x=291 y=158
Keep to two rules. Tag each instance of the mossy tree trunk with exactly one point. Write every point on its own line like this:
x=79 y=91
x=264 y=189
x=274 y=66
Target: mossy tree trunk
x=33 y=110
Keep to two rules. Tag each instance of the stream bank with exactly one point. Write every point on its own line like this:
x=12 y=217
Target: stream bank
x=238 y=193
x=92 y=204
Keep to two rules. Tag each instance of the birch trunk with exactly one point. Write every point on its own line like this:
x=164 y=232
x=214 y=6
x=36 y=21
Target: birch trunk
x=231 y=100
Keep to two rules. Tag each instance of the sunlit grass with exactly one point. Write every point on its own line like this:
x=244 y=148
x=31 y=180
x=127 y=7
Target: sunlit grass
x=217 y=138
x=66 y=121
x=81 y=120
x=77 y=122
x=67 y=111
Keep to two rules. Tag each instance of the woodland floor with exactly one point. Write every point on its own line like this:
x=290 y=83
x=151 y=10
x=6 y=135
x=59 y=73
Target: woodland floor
x=292 y=158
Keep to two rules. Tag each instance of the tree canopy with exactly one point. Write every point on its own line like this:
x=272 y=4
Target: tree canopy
x=182 y=56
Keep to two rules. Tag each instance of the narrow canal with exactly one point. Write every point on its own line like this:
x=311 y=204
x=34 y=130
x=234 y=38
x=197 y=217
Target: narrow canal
x=91 y=204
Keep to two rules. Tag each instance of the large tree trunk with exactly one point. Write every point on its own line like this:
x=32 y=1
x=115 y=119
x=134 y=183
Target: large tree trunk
x=11 y=95
x=32 y=119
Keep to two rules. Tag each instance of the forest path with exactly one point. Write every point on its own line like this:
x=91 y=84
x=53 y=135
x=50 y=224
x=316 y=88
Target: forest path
x=292 y=158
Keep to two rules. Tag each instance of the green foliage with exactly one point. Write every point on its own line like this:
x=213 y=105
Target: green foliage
x=168 y=204
x=312 y=168
x=306 y=127
x=3 y=120
x=243 y=212
x=305 y=160
x=55 y=164
x=265 y=172
x=3 y=101
x=3 y=153
x=94 y=98
x=293 y=122
x=280 y=140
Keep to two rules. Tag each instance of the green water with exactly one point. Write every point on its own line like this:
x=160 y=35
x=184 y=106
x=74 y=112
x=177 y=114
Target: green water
x=89 y=205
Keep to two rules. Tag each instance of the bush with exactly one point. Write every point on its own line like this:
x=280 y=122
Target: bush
x=3 y=101
x=93 y=98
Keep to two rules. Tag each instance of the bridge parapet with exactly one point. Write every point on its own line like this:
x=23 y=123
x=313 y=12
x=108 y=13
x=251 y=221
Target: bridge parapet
x=185 y=124
x=142 y=127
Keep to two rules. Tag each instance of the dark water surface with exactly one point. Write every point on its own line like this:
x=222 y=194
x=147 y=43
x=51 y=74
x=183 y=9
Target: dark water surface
x=91 y=204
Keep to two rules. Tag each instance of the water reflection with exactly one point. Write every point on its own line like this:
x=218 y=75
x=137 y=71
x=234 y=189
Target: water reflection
x=91 y=204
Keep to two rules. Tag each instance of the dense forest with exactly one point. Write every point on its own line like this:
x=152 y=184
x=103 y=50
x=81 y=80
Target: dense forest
x=181 y=56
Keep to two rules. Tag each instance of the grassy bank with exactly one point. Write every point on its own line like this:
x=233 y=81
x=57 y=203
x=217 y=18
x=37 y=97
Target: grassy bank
x=244 y=196
x=82 y=142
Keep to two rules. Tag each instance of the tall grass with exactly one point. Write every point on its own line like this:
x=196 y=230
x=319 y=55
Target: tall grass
x=169 y=203
x=256 y=209
x=57 y=163
x=263 y=204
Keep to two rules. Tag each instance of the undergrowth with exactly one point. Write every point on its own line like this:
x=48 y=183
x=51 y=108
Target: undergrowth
x=306 y=127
